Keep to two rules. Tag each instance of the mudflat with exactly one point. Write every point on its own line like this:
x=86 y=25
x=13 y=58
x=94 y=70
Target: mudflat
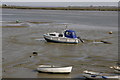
x=19 y=40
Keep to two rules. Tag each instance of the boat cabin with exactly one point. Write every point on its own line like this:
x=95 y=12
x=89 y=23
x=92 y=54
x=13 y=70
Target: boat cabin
x=55 y=34
x=70 y=34
x=66 y=33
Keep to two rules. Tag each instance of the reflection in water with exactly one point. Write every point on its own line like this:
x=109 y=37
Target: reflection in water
x=51 y=75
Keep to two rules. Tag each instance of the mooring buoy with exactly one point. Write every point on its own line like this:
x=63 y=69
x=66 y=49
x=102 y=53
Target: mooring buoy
x=110 y=32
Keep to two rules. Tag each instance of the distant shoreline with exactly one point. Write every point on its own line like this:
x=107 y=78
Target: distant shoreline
x=95 y=8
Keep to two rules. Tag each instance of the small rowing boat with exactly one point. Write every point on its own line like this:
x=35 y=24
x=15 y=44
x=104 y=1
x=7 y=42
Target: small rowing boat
x=99 y=75
x=54 y=69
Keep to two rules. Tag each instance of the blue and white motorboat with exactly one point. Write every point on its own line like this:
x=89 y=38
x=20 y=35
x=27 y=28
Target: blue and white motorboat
x=67 y=36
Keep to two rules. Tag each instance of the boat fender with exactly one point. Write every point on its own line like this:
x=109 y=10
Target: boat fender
x=110 y=32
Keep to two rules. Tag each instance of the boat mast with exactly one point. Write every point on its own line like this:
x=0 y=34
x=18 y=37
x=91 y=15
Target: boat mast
x=66 y=27
x=64 y=30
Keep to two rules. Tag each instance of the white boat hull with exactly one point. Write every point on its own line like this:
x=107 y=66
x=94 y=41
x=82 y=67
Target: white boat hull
x=60 y=39
x=53 y=69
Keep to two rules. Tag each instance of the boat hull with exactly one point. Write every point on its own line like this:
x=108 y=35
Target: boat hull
x=100 y=77
x=50 y=69
x=61 y=40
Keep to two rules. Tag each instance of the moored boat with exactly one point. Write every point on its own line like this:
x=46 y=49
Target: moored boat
x=90 y=76
x=99 y=75
x=67 y=36
x=54 y=69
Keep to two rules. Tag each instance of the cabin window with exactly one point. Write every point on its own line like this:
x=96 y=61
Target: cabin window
x=52 y=34
x=60 y=35
x=68 y=33
x=73 y=33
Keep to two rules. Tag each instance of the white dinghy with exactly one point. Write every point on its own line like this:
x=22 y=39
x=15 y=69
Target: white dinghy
x=99 y=75
x=54 y=69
